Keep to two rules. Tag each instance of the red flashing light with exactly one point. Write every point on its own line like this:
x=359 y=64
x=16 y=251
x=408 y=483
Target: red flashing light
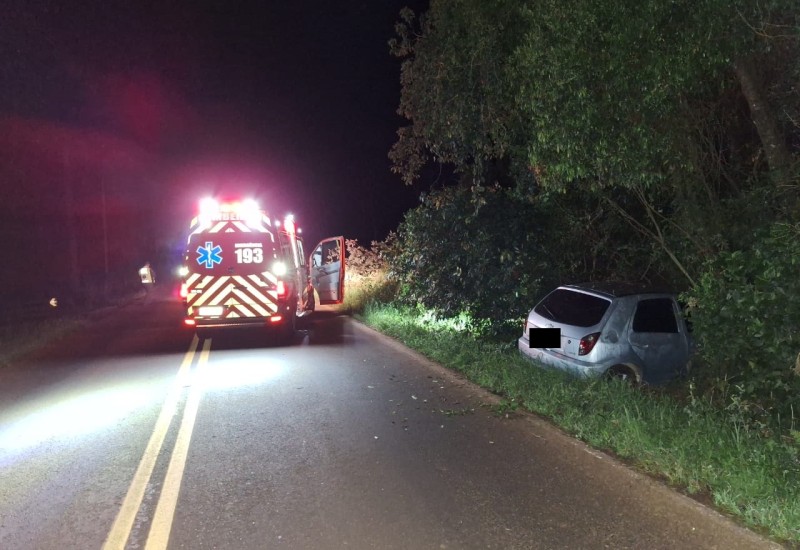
x=288 y=223
x=247 y=210
x=276 y=319
x=587 y=343
x=282 y=291
x=189 y=322
x=184 y=290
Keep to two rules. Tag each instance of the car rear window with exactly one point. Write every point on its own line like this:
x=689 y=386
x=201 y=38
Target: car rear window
x=572 y=308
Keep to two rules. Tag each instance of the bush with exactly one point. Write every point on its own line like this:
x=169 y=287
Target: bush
x=366 y=279
x=473 y=251
x=745 y=311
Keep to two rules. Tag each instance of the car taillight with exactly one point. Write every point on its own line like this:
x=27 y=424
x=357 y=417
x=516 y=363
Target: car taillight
x=587 y=343
x=281 y=287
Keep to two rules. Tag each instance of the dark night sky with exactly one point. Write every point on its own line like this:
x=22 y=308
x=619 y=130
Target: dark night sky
x=292 y=101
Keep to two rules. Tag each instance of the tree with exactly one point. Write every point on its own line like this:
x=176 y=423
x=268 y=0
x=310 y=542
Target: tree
x=454 y=85
x=590 y=92
x=586 y=96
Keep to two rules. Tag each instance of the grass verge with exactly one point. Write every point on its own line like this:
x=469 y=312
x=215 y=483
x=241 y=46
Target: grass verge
x=692 y=446
x=21 y=339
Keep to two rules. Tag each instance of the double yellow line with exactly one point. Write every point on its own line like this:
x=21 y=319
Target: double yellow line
x=168 y=499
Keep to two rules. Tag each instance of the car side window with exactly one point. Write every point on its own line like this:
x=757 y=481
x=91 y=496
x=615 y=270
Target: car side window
x=655 y=315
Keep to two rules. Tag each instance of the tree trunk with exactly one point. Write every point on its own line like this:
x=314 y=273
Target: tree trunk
x=772 y=139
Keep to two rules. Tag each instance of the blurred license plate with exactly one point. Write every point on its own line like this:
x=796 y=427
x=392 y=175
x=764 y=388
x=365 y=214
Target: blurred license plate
x=545 y=338
x=211 y=311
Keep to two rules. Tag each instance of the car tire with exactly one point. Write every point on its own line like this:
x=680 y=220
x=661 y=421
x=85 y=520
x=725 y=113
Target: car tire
x=625 y=373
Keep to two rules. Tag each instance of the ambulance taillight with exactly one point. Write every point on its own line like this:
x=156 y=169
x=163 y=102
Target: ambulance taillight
x=282 y=291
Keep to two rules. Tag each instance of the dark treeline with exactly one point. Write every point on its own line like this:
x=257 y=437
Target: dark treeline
x=75 y=210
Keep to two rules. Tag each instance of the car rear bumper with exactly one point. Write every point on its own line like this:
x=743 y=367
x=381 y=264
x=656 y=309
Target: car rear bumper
x=548 y=358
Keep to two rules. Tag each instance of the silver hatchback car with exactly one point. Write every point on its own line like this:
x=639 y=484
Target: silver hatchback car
x=612 y=329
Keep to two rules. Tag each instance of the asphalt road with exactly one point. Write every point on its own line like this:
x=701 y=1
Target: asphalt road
x=135 y=434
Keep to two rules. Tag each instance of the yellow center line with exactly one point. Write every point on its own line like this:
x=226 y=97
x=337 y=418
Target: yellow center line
x=121 y=529
x=168 y=500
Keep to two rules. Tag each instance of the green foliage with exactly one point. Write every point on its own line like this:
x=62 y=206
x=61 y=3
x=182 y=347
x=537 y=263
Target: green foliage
x=603 y=94
x=365 y=276
x=365 y=262
x=454 y=85
x=746 y=314
x=485 y=258
x=603 y=86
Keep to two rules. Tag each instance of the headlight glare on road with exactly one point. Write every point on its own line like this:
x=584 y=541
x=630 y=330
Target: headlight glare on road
x=74 y=416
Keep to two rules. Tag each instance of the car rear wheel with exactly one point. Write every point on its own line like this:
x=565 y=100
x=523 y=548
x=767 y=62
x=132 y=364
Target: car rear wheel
x=625 y=373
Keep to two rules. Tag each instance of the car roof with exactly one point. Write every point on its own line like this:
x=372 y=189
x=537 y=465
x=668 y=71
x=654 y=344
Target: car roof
x=616 y=289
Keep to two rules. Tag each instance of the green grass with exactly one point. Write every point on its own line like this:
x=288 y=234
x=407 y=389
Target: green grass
x=18 y=340
x=692 y=446
x=361 y=290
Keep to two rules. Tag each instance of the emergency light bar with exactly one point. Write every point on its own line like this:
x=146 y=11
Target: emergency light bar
x=211 y=210
x=246 y=210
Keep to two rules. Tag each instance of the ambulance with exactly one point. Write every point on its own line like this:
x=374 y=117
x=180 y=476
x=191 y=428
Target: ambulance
x=244 y=268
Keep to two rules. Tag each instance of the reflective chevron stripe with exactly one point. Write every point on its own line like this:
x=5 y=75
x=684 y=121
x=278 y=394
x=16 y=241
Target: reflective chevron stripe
x=250 y=297
x=205 y=282
x=254 y=291
x=210 y=293
x=259 y=308
x=218 y=227
x=273 y=280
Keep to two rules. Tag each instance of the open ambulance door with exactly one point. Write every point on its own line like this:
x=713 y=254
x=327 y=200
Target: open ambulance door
x=327 y=270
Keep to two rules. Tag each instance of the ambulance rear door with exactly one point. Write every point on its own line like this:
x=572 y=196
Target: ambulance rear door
x=327 y=270
x=233 y=269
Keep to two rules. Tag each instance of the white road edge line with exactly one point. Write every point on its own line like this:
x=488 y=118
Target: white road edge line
x=121 y=529
x=168 y=500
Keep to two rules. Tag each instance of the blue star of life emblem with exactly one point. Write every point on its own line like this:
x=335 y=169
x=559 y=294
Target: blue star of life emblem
x=209 y=255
